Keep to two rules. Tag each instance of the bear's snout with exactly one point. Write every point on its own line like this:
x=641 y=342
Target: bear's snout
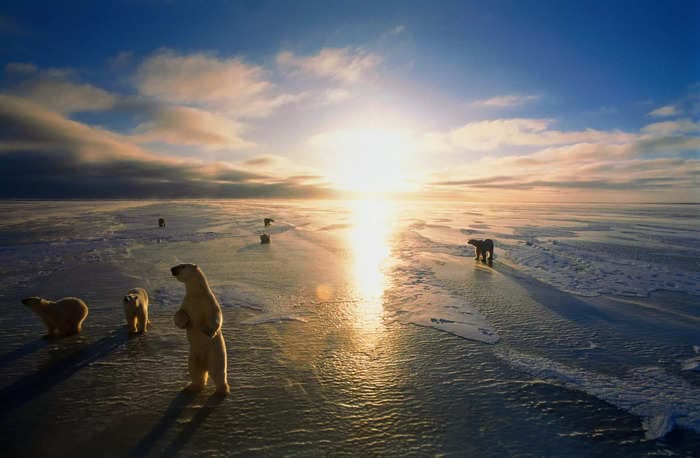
x=175 y=270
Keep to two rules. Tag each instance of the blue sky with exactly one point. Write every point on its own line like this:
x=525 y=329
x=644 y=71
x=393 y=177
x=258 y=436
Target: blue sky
x=437 y=93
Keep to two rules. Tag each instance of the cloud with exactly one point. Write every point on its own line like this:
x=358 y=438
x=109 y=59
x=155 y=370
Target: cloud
x=397 y=30
x=497 y=133
x=65 y=96
x=672 y=127
x=505 y=101
x=666 y=110
x=276 y=165
x=44 y=155
x=204 y=80
x=54 y=89
x=21 y=68
x=626 y=169
x=346 y=65
x=336 y=95
x=121 y=60
x=190 y=126
x=198 y=78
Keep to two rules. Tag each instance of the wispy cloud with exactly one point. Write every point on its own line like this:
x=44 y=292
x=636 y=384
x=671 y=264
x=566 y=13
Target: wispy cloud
x=54 y=89
x=397 y=30
x=340 y=64
x=121 y=60
x=205 y=80
x=497 y=133
x=664 y=111
x=672 y=127
x=43 y=154
x=21 y=68
x=190 y=126
x=503 y=101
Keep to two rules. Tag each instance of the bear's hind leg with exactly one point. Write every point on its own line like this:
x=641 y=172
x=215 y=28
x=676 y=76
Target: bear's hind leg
x=143 y=320
x=198 y=374
x=131 y=321
x=217 y=370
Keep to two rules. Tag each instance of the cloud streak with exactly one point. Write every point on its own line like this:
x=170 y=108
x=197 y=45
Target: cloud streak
x=664 y=111
x=44 y=155
x=345 y=65
x=504 y=101
x=527 y=132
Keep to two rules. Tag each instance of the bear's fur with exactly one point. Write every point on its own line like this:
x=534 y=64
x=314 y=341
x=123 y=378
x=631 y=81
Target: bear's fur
x=136 y=310
x=482 y=247
x=200 y=314
x=63 y=317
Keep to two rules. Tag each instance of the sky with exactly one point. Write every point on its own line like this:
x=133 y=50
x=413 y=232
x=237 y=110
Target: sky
x=479 y=101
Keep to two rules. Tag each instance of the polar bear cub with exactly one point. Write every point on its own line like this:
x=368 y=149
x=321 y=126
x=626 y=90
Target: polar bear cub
x=63 y=317
x=136 y=310
x=200 y=314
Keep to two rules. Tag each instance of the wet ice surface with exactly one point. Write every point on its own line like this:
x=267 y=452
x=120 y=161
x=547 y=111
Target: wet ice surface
x=363 y=328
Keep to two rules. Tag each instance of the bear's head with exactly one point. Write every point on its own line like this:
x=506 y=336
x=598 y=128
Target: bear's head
x=34 y=301
x=473 y=242
x=130 y=299
x=183 y=272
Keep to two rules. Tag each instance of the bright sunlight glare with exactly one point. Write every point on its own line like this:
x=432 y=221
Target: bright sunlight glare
x=369 y=242
x=367 y=160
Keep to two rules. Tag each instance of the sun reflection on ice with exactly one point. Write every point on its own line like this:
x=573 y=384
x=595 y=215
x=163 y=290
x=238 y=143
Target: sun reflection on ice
x=368 y=240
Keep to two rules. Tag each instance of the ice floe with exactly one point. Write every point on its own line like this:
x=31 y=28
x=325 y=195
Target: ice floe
x=660 y=399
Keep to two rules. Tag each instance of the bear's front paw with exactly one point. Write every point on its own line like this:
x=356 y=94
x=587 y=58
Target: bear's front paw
x=182 y=319
x=207 y=331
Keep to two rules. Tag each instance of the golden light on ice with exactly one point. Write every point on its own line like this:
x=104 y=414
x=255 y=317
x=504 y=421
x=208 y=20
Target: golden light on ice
x=367 y=160
x=369 y=242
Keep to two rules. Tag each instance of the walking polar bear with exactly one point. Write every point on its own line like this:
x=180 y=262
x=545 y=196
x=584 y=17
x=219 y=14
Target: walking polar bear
x=63 y=317
x=200 y=314
x=136 y=310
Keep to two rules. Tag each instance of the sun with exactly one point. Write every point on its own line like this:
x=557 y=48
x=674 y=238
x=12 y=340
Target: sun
x=369 y=161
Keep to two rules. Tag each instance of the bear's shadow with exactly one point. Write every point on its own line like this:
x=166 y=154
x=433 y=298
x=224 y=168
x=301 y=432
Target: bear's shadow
x=24 y=350
x=32 y=385
x=170 y=418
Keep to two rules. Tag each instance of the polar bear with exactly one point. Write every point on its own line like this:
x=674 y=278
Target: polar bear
x=63 y=317
x=200 y=314
x=482 y=248
x=136 y=310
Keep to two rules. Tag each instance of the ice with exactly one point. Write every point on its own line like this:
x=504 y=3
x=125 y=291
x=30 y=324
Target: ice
x=661 y=400
x=437 y=309
x=592 y=252
x=265 y=318
x=691 y=364
x=379 y=319
x=427 y=302
x=589 y=272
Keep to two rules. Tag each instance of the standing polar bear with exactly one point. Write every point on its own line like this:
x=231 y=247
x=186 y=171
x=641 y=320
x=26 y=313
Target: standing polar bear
x=63 y=317
x=136 y=310
x=200 y=314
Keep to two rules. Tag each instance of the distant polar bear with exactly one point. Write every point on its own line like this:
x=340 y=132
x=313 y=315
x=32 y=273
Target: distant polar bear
x=63 y=317
x=136 y=310
x=200 y=314
x=482 y=248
